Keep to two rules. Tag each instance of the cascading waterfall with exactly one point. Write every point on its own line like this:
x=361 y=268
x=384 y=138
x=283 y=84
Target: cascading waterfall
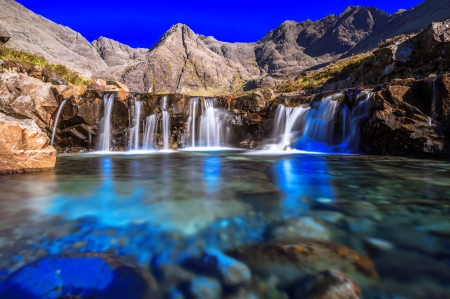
x=149 y=131
x=105 y=123
x=165 y=124
x=211 y=128
x=55 y=125
x=313 y=128
x=135 y=126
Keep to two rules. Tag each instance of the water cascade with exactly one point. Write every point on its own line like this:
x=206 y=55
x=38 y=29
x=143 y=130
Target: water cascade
x=149 y=132
x=312 y=128
x=210 y=128
x=135 y=126
x=57 y=120
x=105 y=123
x=165 y=124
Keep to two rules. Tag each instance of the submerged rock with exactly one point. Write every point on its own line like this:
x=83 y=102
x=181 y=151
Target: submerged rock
x=23 y=146
x=292 y=260
x=329 y=285
x=303 y=227
x=90 y=275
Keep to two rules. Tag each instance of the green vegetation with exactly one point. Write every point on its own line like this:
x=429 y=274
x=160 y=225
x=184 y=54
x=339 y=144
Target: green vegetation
x=335 y=71
x=37 y=66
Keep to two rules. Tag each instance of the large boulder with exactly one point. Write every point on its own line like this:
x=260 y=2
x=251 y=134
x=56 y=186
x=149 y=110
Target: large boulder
x=4 y=35
x=23 y=146
x=435 y=34
x=24 y=97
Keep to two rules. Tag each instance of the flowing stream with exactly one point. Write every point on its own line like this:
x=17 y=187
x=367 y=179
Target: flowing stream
x=55 y=125
x=105 y=123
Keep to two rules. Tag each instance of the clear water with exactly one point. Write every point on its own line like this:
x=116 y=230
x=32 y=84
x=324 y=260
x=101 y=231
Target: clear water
x=145 y=204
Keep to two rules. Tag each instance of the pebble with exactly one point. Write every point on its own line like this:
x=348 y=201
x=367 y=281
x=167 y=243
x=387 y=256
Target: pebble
x=205 y=288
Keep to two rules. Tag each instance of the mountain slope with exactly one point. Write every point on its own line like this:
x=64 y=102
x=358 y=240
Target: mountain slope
x=57 y=43
x=115 y=53
x=180 y=62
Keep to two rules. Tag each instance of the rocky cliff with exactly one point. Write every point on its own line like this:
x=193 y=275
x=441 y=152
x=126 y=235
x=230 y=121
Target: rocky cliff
x=115 y=53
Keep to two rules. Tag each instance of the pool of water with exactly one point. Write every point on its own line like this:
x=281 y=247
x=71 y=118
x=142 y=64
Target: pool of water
x=393 y=210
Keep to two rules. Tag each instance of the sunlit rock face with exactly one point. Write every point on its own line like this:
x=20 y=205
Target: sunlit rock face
x=22 y=96
x=115 y=53
x=23 y=146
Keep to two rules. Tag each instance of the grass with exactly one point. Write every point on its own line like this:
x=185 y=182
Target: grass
x=339 y=70
x=28 y=62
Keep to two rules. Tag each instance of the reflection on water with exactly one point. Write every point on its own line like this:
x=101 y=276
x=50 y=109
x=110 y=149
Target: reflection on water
x=145 y=205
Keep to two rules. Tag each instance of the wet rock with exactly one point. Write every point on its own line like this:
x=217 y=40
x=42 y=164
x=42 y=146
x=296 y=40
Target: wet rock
x=24 y=97
x=4 y=35
x=23 y=146
x=375 y=246
x=205 y=288
x=243 y=293
x=90 y=275
x=303 y=227
x=330 y=284
x=357 y=208
x=216 y=264
x=292 y=260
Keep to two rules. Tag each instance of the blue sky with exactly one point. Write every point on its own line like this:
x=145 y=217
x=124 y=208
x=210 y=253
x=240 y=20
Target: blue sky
x=141 y=23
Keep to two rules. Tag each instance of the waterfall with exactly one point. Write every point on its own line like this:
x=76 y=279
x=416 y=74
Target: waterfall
x=149 y=132
x=135 y=126
x=313 y=128
x=56 y=120
x=105 y=123
x=165 y=124
x=209 y=129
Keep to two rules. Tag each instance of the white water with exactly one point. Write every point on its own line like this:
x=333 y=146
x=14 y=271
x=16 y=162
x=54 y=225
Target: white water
x=165 y=124
x=57 y=120
x=210 y=129
x=105 y=123
x=135 y=126
x=313 y=128
x=149 y=132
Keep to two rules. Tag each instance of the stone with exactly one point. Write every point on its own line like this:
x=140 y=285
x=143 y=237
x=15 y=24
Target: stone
x=330 y=284
x=303 y=227
x=205 y=288
x=435 y=34
x=4 y=35
x=24 y=97
x=58 y=81
x=90 y=275
x=23 y=146
x=291 y=260
x=357 y=208
x=216 y=264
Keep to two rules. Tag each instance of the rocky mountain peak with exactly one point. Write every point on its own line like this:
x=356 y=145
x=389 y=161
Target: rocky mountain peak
x=115 y=53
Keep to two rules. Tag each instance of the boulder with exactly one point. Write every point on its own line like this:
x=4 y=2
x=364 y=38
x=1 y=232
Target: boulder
x=24 y=97
x=58 y=81
x=23 y=146
x=291 y=260
x=4 y=35
x=89 y=275
x=122 y=90
x=435 y=34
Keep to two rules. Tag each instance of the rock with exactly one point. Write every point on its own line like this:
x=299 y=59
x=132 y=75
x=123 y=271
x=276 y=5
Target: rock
x=90 y=275
x=23 y=146
x=4 y=35
x=205 y=288
x=357 y=208
x=259 y=83
x=115 y=53
x=216 y=264
x=434 y=34
x=69 y=297
x=25 y=97
x=121 y=89
x=292 y=260
x=375 y=246
x=58 y=81
x=243 y=293
x=329 y=285
x=304 y=227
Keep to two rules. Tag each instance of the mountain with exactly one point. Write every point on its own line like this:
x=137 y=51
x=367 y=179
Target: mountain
x=115 y=53
x=38 y=35
x=180 y=62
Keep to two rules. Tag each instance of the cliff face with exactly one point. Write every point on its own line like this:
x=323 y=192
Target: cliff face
x=38 y=35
